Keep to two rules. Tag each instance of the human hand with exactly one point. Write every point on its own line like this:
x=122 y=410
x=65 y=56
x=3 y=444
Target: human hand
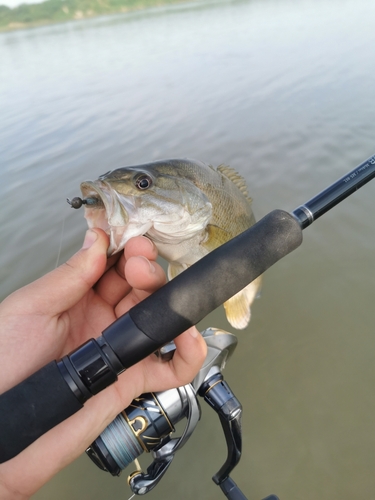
x=52 y=316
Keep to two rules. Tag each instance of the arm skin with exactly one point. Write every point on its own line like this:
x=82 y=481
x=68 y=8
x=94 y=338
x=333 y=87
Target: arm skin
x=52 y=316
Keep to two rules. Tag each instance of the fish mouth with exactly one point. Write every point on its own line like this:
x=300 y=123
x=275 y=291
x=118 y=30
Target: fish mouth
x=104 y=210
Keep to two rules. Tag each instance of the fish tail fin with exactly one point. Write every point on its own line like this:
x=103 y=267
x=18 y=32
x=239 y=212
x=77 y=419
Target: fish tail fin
x=237 y=308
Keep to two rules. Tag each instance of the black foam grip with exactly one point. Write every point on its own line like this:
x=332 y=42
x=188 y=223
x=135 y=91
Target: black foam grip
x=189 y=297
x=32 y=408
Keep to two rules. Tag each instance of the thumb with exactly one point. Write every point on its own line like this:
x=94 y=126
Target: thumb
x=63 y=287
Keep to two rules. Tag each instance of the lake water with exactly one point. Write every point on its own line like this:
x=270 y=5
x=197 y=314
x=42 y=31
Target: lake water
x=283 y=91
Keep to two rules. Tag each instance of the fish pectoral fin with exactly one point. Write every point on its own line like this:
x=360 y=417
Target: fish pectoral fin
x=237 y=308
x=215 y=237
x=175 y=268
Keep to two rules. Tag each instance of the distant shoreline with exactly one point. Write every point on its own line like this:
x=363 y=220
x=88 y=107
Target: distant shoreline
x=60 y=11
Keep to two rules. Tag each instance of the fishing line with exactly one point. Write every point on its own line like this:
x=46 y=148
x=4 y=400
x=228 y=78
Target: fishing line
x=119 y=438
x=61 y=240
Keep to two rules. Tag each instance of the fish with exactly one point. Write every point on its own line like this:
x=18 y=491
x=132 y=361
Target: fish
x=186 y=207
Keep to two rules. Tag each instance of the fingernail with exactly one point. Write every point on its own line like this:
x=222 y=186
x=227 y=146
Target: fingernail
x=193 y=332
x=152 y=267
x=90 y=238
x=151 y=243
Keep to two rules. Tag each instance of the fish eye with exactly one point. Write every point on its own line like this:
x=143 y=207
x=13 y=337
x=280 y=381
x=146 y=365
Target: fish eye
x=143 y=182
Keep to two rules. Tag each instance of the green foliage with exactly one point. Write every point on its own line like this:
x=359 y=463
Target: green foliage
x=63 y=10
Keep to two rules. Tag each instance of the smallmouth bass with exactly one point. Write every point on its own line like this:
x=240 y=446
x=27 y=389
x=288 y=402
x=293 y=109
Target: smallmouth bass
x=186 y=207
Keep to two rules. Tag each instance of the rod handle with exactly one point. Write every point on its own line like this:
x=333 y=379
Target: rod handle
x=59 y=389
x=193 y=294
x=32 y=408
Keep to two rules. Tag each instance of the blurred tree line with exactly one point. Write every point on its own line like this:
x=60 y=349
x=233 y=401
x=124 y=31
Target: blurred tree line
x=52 y=11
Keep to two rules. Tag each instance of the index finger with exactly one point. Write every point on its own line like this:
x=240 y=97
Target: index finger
x=113 y=286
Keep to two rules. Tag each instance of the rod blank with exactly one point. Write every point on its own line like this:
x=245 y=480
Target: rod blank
x=334 y=194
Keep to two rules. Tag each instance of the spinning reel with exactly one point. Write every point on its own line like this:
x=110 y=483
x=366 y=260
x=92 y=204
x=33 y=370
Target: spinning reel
x=148 y=423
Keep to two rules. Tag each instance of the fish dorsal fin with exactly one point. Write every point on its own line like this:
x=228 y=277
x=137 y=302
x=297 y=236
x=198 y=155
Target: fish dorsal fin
x=234 y=177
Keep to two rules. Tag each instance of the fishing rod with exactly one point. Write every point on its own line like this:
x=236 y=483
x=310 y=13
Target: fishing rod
x=60 y=389
x=316 y=207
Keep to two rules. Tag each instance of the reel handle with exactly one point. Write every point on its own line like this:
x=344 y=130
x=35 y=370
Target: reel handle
x=232 y=491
